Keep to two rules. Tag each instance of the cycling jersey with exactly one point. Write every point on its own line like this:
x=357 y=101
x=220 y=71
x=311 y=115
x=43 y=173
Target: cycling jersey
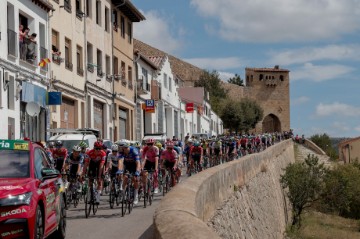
x=170 y=156
x=130 y=159
x=150 y=153
x=195 y=151
x=95 y=159
x=113 y=160
x=74 y=163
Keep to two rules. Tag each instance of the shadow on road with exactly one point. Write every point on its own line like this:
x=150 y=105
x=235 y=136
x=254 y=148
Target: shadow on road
x=149 y=233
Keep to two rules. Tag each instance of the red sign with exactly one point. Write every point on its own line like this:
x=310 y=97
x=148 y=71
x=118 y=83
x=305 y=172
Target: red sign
x=189 y=107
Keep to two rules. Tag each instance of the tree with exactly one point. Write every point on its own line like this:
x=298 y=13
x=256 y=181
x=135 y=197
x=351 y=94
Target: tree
x=240 y=115
x=212 y=83
x=236 y=80
x=325 y=143
x=304 y=183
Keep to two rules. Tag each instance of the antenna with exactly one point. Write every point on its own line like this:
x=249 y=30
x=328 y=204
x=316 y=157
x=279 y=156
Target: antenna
x=32 y=108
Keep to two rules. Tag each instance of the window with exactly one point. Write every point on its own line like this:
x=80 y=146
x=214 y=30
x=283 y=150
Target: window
x=88 y=8
x=122 y=27
x=261 y=77
x=107 y=62
x=40 y=161
x=115 y=20
x=79 y=61
x=67 y=5
x=130 y=77
x=123 y=74
x=55 y=47
x=116 y=66
x=129 y=32
x=106 y=19
x=68 y=61
x=79 y=13
x=89 y=50
x=165 y=80
x=98 y=12
x=99 y=62
x=170 y=84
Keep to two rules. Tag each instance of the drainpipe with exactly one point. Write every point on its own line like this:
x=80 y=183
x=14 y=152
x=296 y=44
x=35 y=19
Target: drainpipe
x=85 y=71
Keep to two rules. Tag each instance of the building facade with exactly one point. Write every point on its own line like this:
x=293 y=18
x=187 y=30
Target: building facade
x=349 y=150
x=22 y=79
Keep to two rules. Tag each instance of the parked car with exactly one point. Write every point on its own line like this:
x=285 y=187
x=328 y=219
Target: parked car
x=32 y=200
x=157 y=136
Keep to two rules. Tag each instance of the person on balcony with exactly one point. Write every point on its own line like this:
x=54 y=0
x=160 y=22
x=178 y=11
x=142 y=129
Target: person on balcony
x=23 y=34
x=31 y=48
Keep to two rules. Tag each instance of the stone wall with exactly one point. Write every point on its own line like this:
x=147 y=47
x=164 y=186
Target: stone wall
x=186 y=210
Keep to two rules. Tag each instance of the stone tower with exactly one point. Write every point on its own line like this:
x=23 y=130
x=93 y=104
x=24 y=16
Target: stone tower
x=269 y=87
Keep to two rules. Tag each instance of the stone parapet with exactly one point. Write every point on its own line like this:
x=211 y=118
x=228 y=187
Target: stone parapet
x=185 y=211
x=311 y=145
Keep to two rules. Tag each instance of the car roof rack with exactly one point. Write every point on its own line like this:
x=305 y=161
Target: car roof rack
x=60 y=131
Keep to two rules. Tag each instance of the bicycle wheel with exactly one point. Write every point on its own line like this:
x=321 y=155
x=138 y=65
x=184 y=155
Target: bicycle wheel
x=131 y=199
x=124 y=203
x=94 y=204
x=112 y=196
x=76 y=199
x=146 y=194
x=87 y=200
x=150 y=192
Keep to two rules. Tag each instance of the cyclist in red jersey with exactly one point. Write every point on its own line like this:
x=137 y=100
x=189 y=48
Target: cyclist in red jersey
x=59 y=154
x=196 y=154
x=150 y=156
x=95 y=162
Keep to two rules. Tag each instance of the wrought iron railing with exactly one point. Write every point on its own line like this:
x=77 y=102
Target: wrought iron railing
x=80 y=71
x=68 y=65
x=43 y=56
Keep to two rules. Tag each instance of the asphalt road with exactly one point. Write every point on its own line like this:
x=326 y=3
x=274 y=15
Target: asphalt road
x=108 y=223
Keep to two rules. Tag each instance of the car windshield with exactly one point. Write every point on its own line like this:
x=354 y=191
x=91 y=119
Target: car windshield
x=14 y=164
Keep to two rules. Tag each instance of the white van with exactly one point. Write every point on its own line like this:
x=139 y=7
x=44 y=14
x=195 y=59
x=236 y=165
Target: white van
x=70 y=138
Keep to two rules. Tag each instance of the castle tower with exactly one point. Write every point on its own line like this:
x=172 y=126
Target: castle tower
x=269 y=87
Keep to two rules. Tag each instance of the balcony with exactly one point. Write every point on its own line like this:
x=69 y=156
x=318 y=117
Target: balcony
x=143 y=88
x=12 y=43
x=123 y=81
x=67 y=5
x=56 y=58
x=80 y=71
x=99 y=72
x=68 y=65
x=90 y=68
x=28 y=51
x=130 y=85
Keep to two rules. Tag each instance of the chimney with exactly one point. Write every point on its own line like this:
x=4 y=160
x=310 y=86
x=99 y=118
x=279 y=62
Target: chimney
x=276 y=67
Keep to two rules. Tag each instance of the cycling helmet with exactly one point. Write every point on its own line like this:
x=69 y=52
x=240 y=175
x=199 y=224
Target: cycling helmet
x=169 y=144
x=158 y=144
x=76 y=148
x=196 y=143
x=58 y=143
x=150 y=141
x=114 y=147
x=190 y=141
x=137 y=144
x=83 y=144
x=98 y=144
x=51 y=144
x=123 y=144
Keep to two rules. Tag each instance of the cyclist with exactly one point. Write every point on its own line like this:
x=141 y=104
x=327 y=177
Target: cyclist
x=170 y=160
x=95 y=162
x=74 y=164
x=113 y=164
x=130 y=161
x=150 y=156
x=217 y=149
x=59 y=154
x=196 y=155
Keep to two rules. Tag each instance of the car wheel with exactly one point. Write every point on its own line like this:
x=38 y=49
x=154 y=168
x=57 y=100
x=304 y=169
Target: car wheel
x=39 y=224
x=60 y=233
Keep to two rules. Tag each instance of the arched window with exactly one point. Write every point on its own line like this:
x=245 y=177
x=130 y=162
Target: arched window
x=261 y=77
x=281 y=78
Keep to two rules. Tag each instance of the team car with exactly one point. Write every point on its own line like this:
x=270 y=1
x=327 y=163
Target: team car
x=32 y=196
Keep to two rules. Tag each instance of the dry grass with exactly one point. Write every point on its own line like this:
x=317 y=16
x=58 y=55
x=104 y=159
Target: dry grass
x=318 y=225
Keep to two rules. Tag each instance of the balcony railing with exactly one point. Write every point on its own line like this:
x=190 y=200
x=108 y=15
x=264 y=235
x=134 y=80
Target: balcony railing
x=12 y=43
x=123 y=81
x=99 y=72
x=90 y=68
x=68 y=65
x=56 y=59
x=43 y=55
x=130 y=85
x=67 y=5
x=28 y=51
x=80 y=71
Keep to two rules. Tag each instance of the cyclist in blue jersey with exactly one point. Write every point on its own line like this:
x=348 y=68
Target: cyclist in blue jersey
x=130 y=161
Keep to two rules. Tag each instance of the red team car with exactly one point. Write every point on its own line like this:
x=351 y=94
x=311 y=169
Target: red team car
x=32 y=197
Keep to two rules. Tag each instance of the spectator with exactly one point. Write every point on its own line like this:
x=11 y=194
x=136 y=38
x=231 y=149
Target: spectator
x=31 y=48
x=23 y=36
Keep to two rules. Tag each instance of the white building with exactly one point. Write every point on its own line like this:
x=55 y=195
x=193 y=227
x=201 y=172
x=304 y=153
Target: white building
x=22 y=80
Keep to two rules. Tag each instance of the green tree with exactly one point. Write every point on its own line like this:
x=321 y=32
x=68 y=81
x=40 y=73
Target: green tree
x=341 y=192
x=212 y=83
x=231 y=115
x=325 y=143
x=236 y=80
x=252 y=113
x=304 y=182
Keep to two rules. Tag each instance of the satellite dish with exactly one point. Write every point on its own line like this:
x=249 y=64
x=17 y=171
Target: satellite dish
x=32 y=108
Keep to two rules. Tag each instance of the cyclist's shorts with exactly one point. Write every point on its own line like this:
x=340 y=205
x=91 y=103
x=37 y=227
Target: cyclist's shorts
x=196 y=159
x=217 y=151
x=113 y=171
x=59 y=164
x=149 y=165
x=130 y=166
x=94 y=169
x=168 y=164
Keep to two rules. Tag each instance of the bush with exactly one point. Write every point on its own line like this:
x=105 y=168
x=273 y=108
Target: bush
x=324 y=142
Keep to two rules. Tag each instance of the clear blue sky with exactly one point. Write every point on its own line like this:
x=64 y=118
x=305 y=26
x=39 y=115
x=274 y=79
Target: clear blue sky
x=318 y=41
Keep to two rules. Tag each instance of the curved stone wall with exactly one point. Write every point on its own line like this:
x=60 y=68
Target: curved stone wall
x=185 y=211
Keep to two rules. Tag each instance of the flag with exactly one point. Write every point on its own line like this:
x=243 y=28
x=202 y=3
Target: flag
x=44 y=61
